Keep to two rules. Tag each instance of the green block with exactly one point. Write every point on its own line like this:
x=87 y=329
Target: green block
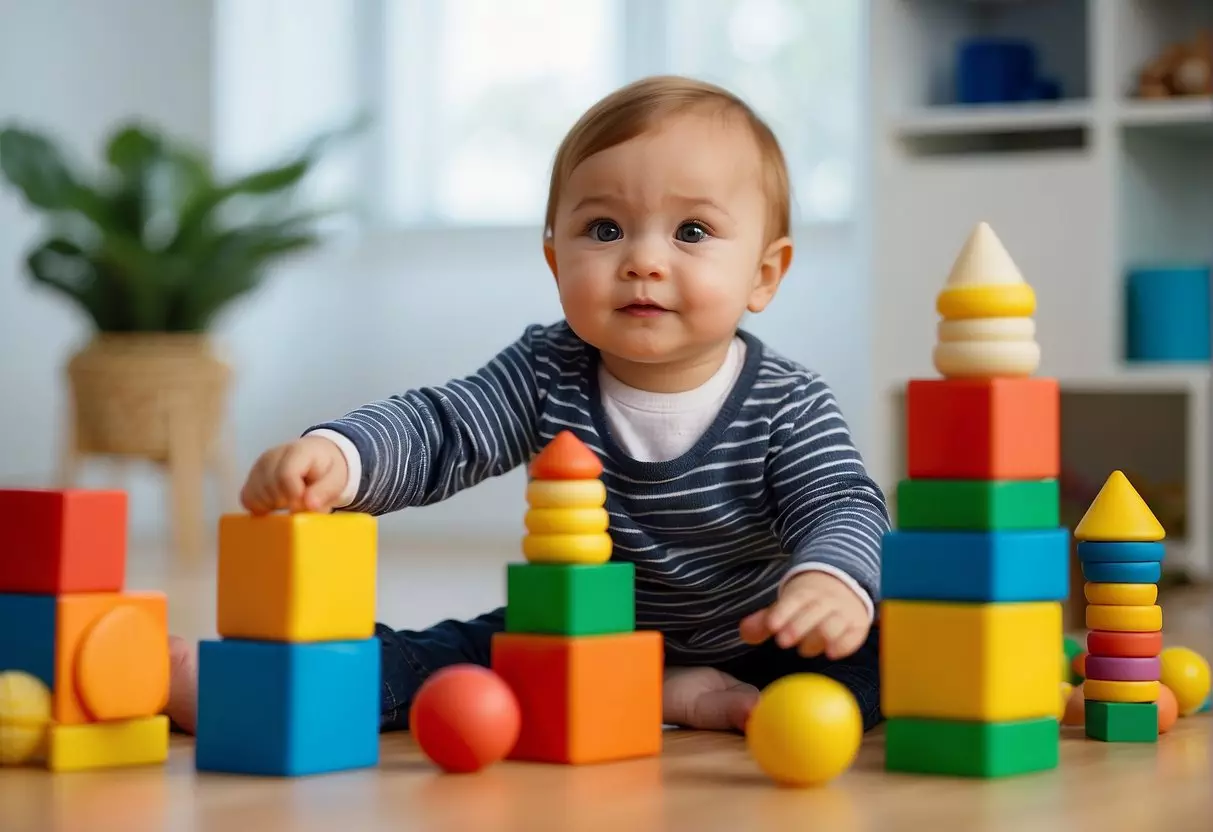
x=972 y=749
x=978 y=505
x=1072 y=648
x=570 y=599
x=1122 y=721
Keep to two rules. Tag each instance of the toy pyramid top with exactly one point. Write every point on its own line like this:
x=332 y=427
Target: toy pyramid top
x=987 y=328
x=566 y=458
x=1118 y=513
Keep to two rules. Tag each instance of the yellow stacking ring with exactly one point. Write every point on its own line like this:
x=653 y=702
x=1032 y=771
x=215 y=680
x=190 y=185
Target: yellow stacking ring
x=997 y=300
x=1121 y=595
x=565 y=493
x=1144 y=619
x=567 y=548
x=1101 y=690
x=567 y=520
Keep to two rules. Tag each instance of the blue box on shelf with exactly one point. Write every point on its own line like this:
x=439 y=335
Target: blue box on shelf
x=1167 y=313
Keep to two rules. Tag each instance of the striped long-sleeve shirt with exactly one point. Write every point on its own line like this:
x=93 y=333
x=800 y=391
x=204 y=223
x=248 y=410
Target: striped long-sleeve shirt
x=773 y=486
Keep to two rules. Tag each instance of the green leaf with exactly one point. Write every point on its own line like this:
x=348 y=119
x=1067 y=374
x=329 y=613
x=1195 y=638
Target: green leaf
x=64 y=267
x=32 y=163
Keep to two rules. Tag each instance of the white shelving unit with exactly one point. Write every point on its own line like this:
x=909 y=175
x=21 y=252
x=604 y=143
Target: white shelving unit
x=1079 y=190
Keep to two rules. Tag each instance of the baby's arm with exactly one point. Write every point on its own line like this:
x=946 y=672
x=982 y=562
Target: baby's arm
x=831 y=514
x=425 y=445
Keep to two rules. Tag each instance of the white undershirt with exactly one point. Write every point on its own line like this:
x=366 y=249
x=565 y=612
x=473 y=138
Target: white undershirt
x=650 y=427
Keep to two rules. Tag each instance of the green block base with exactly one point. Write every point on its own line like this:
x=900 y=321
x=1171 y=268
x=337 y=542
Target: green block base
x=1122 y=721
x=978 y=505
x=972 y=749
x=570 y=599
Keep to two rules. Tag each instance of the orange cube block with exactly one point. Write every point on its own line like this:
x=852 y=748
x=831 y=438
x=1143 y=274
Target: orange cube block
x=983 y=428
x=584 y=699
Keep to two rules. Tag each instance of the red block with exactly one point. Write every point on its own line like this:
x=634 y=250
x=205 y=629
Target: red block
x=983 y=428
x=1126 y=645
x=56 y=542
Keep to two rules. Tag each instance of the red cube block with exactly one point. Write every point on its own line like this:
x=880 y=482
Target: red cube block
x=55 y=542
x=984 y=428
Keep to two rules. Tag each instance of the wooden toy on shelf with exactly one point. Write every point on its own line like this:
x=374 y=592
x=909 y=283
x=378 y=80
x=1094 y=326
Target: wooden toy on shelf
x=974 y=574
x=83 y=661
x=1182 y=69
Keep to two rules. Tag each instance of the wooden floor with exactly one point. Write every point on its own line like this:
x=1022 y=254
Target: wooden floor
x=702 y=781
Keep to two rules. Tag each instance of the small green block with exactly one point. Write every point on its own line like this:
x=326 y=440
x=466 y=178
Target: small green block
x=972 y=749
x=978 y=505
x=1072 y=648
x=1122 y=721
x=570 y=599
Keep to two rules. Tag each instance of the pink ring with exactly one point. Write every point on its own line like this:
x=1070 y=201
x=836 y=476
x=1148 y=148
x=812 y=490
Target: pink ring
x=1120 y=669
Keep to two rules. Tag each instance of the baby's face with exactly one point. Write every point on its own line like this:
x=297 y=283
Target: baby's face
x=658 y=243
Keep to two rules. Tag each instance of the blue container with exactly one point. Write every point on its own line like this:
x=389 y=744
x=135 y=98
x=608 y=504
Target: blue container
x=995 y=71
x=1167 y=313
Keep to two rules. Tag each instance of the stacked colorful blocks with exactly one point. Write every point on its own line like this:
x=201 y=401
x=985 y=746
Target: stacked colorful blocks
x=974 y=574
x=1121 y=551
x=588 y=683
x=292 y=685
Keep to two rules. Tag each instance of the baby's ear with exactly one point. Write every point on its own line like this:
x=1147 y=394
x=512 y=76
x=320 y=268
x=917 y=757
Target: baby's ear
x=771 y=269
x=549 y=254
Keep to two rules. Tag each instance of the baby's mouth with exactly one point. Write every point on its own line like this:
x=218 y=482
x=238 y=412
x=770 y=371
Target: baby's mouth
x=643 y=309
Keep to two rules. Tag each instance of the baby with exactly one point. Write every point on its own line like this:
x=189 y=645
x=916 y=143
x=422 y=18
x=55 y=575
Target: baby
x=733 y=484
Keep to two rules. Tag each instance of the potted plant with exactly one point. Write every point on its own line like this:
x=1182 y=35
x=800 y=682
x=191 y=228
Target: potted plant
x=152 y=248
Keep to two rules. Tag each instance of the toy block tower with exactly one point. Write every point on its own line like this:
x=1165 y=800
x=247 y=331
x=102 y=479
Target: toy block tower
x=975 y=573
x=1121 y=551
x=292 y=685
x=588 y=684
x=97 y=652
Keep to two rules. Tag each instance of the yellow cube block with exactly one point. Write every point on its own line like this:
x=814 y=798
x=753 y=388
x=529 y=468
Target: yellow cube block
x=98 y=745
x=297 y=577
x=985 y=662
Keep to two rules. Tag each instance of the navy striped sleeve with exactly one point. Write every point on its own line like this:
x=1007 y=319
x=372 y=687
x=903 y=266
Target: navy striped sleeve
x=426 y=445
x=828 y=510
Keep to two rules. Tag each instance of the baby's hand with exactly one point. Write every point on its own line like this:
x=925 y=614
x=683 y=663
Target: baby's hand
x=815 y=610
x=308 y=474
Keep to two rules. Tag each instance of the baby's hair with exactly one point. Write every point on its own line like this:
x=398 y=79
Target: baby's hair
x=641 y=106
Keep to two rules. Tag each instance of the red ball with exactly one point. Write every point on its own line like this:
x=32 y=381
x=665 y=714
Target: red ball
x=465 y=717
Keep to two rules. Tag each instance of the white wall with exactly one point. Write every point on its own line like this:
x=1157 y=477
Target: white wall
x=350 y=324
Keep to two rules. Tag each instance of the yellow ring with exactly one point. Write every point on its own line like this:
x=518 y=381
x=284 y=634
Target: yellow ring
x=1124 y=619
x=1102 y=690
x=1121 y=595
x=567 y=548
x=567 y=520
x=565 y=493
x=998 y=300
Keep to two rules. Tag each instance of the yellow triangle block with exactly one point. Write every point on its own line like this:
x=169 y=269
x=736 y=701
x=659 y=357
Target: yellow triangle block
x=1119 y=513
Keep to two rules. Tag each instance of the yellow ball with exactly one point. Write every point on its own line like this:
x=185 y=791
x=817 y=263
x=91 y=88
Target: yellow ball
x=1186 y=673
x=25 y=715
x=805 y=730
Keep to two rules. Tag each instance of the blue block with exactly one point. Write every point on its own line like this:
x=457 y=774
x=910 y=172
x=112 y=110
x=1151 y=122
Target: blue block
x=996 y=566
x=1127 y=551
x=287 y=709
x=27 y=635
x=1122 y=573
x=1167 y=313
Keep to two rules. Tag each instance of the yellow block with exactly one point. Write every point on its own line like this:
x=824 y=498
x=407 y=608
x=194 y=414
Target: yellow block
x=567 y=548
x=987 y=662
x=1121 y=595
x=1118 y=513
x=567 y=520
x=1124 y=619
x=297 y=577
x=565 y=493
x=94 y=745
x=1101 y=690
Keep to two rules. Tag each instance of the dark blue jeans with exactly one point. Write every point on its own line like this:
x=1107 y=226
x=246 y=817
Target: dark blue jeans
x=410 y=656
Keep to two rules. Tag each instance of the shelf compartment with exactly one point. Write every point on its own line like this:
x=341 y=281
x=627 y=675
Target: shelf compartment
x=1144 y=29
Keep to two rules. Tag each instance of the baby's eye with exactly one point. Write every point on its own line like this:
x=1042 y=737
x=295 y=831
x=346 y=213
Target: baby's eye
x=691 y=232
x=604 y=231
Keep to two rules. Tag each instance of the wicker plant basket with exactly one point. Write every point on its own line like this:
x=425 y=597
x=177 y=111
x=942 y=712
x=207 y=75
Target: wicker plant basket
x=129 y=392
